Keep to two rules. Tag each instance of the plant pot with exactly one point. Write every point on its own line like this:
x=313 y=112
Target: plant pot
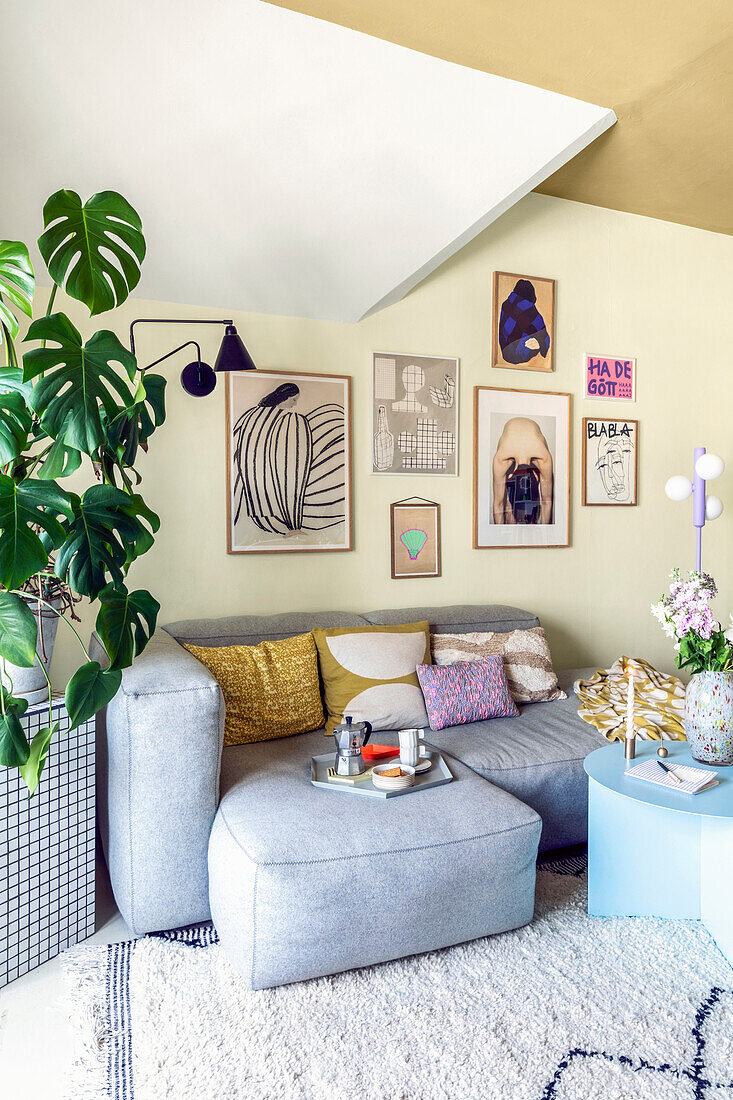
x=709 y=717
x=30 y=683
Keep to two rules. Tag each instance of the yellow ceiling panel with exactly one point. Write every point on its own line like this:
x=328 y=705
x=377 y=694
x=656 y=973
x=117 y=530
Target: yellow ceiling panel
x=665 y=68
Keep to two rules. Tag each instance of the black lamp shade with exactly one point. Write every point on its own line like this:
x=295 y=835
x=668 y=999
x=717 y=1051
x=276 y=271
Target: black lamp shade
x=233 y=355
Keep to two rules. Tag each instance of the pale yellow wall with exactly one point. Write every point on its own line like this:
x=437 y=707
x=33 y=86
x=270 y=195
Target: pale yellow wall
x=626 y=285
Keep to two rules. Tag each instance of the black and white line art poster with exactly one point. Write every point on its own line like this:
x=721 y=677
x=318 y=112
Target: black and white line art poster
x=288 y=462
x=610 y=461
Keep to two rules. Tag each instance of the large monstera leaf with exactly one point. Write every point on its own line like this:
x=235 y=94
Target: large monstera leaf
x=104 y=535
x=15 y=424
x=59 y=462
x=152 y=410
x=131 y=428
x=125 y=622
x=78 y=379
x=25 y=506
x=93 y=250
x=17 y=284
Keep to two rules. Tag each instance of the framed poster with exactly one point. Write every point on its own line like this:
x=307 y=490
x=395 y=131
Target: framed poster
x=523 y=333
x=609 y=379
x=415 y=538
x=414 y=414
x=288 y=462
x=521 y=468
x=610 y=461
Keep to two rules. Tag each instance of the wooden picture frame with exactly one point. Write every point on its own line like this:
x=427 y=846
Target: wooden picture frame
x=415 y=403
x=521 y=471
x=415 y=538
x=522 y=313
x=610 y=462
x=299 y=514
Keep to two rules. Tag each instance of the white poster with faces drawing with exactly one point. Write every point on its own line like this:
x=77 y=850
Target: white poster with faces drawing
x=610 y=461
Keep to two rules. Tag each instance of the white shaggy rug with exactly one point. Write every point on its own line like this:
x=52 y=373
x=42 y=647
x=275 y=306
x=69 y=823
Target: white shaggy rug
x=569 y=1008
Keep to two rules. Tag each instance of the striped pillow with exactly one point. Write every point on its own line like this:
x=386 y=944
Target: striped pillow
x=527 y=661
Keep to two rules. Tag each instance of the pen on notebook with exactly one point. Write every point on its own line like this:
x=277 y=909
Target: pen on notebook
x=666 y=768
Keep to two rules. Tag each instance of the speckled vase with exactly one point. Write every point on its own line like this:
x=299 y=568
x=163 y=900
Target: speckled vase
x=709 y=717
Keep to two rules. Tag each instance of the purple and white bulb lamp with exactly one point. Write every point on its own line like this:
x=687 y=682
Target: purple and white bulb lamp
x=707 y=467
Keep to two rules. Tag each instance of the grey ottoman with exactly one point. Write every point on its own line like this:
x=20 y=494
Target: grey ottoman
x=305 y=882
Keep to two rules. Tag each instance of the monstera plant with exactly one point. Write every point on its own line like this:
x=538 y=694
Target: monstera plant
x=65 y=401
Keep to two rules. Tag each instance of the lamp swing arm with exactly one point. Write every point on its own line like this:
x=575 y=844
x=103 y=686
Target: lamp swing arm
x=171 y=321
x=188 y=344
x=198 y=378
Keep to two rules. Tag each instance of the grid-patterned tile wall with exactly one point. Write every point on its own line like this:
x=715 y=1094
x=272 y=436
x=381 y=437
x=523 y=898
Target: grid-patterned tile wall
x=47 y=849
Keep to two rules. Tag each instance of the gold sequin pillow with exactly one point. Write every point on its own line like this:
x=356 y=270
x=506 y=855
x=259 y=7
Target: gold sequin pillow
x=270 y=690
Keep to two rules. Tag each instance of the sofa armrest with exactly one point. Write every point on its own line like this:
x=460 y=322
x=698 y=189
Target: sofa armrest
x=159 y=754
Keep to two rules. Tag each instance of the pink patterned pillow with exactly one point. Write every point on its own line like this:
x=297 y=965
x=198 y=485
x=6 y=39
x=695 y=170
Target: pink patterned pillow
x=466 y=691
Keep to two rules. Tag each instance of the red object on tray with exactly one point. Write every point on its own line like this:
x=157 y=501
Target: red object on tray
x=375 y=753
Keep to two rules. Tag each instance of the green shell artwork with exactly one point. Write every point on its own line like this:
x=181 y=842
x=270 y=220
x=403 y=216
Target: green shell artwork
x=413 y=541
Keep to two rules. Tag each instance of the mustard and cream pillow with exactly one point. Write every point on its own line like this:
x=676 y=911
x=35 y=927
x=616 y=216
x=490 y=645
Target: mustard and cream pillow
x=368 y=672
x=270 y=690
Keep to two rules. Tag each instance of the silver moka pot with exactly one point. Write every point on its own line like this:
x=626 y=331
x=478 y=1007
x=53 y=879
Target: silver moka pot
x=350 y=738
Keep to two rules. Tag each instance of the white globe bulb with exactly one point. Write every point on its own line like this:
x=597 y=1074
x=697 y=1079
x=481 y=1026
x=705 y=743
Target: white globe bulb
x=713 y=507
x=709 y=466
x=678 y=487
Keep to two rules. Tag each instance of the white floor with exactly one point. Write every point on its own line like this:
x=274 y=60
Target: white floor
x=35 y=1036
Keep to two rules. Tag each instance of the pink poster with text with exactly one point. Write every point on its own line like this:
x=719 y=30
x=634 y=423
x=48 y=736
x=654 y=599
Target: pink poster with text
x=610 y=378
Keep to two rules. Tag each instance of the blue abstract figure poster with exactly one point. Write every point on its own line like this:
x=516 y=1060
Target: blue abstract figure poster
x=288 y=462
x=523 y=336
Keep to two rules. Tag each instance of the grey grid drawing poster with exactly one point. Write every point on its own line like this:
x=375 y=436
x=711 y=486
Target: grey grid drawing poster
x=414 y=414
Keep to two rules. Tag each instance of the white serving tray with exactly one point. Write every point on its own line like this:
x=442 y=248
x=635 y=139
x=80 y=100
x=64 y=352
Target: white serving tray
x=438 y=776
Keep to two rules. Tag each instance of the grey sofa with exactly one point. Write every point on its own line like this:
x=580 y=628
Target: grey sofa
x=303 y=882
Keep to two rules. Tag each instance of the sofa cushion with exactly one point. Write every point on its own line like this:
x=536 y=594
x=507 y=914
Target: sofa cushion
x=459 y=618
x=253 y=629
x=537 y=757
x=466 y=691
x=526 y=654
x=307 y=882
x=368 y=672
x=270 y=690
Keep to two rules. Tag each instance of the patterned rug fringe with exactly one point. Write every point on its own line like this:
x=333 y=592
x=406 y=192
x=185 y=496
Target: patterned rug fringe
x=568 y=865
x=86 y=971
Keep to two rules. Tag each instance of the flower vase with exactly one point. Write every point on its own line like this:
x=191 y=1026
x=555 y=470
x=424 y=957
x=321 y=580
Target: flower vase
x=709 y=717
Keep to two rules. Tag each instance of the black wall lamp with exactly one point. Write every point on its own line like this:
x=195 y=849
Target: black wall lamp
x=198 y=378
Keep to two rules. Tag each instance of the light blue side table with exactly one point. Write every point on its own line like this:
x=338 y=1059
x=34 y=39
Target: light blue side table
x=656 y=852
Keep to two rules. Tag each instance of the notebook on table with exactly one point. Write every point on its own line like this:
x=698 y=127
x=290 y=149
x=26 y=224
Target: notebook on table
x=694 y=780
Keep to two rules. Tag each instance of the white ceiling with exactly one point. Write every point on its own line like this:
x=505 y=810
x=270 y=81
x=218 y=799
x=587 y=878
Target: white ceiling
x=281 y=164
